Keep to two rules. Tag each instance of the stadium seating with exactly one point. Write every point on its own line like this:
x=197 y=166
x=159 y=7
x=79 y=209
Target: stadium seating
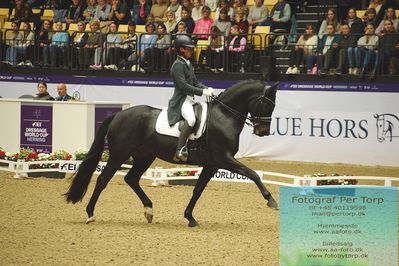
x=48 y=14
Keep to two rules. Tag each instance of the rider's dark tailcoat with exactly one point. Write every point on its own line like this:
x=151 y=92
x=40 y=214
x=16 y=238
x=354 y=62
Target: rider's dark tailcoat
x=185 y=84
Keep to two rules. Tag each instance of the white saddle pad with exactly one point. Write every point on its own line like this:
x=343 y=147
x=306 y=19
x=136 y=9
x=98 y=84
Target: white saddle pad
x=162 y=125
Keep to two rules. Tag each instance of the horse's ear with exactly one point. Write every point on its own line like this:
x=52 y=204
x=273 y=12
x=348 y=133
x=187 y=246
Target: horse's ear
x=271 y=90
x=376 y=116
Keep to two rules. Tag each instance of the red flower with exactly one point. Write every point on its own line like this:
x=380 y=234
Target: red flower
x=68 y=157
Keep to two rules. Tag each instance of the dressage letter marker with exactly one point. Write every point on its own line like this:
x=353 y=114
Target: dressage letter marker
x=339 y=226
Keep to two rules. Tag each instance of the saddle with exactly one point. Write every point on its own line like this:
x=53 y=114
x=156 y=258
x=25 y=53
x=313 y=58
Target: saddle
x=200 y=111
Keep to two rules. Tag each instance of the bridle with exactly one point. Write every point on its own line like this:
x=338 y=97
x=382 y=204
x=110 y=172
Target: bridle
x=253 y=121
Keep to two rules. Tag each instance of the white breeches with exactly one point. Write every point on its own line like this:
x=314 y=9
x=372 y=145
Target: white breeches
x=187 y=111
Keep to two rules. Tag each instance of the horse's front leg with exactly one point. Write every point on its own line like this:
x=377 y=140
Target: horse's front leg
x=205 y=176
x=235 y=166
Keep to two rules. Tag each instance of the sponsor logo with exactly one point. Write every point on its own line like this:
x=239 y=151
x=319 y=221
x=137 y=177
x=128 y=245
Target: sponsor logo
x=387 y=127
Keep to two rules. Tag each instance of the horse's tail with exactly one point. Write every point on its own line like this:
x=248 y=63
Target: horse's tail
x=81 y=178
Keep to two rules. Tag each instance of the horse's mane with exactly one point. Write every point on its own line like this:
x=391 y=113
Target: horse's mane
x=242 y=85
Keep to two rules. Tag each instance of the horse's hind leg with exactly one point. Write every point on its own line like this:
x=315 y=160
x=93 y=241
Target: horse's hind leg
x=132 y=178
x=101 y=183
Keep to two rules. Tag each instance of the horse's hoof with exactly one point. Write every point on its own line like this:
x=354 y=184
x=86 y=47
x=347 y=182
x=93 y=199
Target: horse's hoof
x=272 y=204
x=148 y=214
x=193 y=224
x=90 y=220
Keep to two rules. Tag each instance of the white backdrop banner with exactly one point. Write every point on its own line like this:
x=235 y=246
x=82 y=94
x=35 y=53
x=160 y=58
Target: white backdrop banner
x=353 y=123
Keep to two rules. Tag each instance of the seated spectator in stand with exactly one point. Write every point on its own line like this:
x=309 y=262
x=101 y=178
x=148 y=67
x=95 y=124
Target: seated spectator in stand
x=25 y=46
x=280 y=17
x=354 y=22
x=92 y=50
x=62 y=93
x=223 y=22
x=23 y=12
x=158 y=10
x=257 y=14
x=60 y=9
x=370 y=16
x=79 y=40
x=42 y=93
x=175 y=7
x=196 y=12
x=224 y=4
x=119 y=13
x=13 y=39
x=160 y=52
x=329 y=40
x=90 y=10
x=239 y=4
x=240 y=21
x=147 y=42
x=171 y=21
x=386 y=46
x=394 y=61
x=151 y=19
x=305 y=46
x=187 y=19
x=74 y=12
x=330 y=19
x=140 y=12
x=58 y=46
x=44 y=40
x=389 y=15
x=214 y=52
x=111 y=51
x=346 y=45
x=128 y=45
x=203 y=25
x=102 y=10
x=236 y=47
x=367 y=49
x=187 y=4
x=212 y=4
x=379 y=7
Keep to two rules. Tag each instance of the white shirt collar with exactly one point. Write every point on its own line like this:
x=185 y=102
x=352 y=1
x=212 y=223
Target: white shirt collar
x=185 y=60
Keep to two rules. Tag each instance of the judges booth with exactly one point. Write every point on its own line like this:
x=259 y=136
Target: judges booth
x=48 y=126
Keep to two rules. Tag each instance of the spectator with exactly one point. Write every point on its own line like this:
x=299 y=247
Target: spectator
x=187 y=4
x=74 y=12
x=171 y=22
x=42 y=92
x=354 y=22
x=175 y=7
x=102 y=10
x=140 y=12
x=379 y=8
x=79 y=40
x=329 y=43
x=389 y=15
x=212 y=4
x=158 y=10
x=370 y=16
x=236 y=48
x=224 y=4
x=147 y=42
x=187 y=19
x=386 y=46
x=26 y=45
x=128 y=45
x=239 y=4
x=330 y=19
x=44 y=40
x=13 y=39
x=62 y=93
x=92 y=49
x=120 y=13
x=90 y=11
x=111 y=51
x=181 y=28
x=394 y=60
x=60 y=9
x=58 y=47
x=239 y=19
x=203 y=25
x=367 y=49
x=280 y=16
x=346 y=44
x=305 y=46
x=214 y=52
x=196 y=12
x=223 y=22
x=257 y=14
x=160 y=52
x=23 y=12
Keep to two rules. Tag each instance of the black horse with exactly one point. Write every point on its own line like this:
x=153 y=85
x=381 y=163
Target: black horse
x=131 y=132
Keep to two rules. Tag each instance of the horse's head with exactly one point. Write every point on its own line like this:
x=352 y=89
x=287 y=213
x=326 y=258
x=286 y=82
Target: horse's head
x=380 y=127
x=261 y=110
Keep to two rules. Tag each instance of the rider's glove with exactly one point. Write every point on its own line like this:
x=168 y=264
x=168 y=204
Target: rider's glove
x=212 y=90
x=207 y=92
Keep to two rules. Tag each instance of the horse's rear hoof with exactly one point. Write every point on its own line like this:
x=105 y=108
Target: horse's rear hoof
x=193 y=224
x=148 y=214
x=90 y=220
x=272 y=204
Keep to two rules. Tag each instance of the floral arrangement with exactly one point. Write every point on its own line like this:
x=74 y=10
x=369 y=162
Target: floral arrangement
x=183 y=173
x=334 y=181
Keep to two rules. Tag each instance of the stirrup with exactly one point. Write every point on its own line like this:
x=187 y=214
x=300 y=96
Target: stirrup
x=181 y=155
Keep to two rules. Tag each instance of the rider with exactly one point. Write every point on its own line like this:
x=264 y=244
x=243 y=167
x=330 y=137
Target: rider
x=186 y=85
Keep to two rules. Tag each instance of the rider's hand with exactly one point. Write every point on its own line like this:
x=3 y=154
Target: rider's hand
x=207 y=92
x=212 y=90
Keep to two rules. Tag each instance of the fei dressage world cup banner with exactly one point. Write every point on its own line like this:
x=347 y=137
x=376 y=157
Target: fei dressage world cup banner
x=356 y=123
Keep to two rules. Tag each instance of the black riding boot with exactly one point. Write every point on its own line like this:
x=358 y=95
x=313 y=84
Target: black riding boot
x=181 y=151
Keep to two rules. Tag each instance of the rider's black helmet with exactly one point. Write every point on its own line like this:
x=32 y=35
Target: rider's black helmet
x=183 y=41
